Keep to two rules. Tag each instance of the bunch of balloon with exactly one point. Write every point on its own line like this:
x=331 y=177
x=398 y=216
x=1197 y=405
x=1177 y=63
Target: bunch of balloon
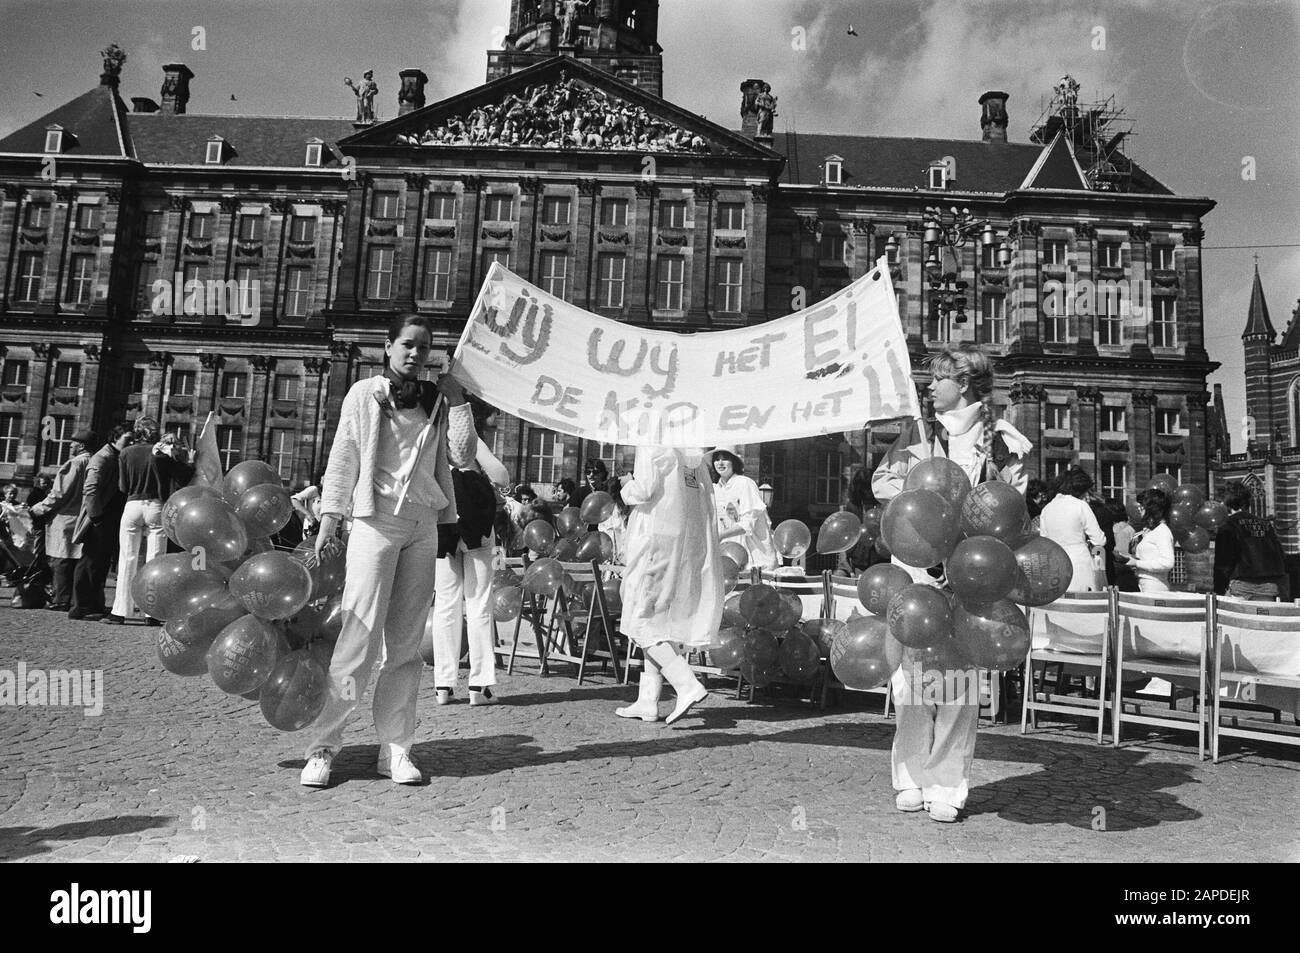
x=1192 y=519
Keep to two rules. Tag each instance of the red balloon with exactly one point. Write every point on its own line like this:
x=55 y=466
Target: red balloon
x=327 y=575
x=613 y=590
x=1193 y=496
x=736 y=553
x=206 y=624
x=730 y=575
x=181 y=658
x=1212 y=516
x=942 y=476
x=265 y=509
x=799 y=657
x=1163 y=482
x=507 y=604
x=1194 y=540
x=758 y=677
x=211 y=525
x=178 y=502
x=243 y=655
x=1182 y=517
x=1134 y=510
x=539 y=536
x=272 y=585
x=244 y=476
x=569 y=523
x=169 y=587
x=544 y=577
x=920 y=528
x=760 y=605
x=791 y=611
x=858 y=654
x=1043 y=572
x=994 y=509
x=588 y=548
x=871 y=522
x=506 y=577
x=981 y=569
x=919 y=616
x=839 y=533
x=792 y=539
x=993 y=636
x=597 y=507
x=566 y=550
x=823 y=632
x=761 y=649
x=295 y=692
x=879 y=584
x=322 y=623
x=728 y=650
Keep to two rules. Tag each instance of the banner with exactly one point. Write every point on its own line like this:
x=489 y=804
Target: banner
x=829 y=368
x=207 y=457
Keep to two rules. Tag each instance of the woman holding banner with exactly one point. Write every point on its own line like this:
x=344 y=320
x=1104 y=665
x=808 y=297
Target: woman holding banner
x=672 y=588
x=742 y=514
x=390 y=464
x=934 y=743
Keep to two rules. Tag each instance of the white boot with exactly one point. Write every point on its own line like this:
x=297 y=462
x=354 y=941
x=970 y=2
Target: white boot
x=685 y=684
x=646 y=706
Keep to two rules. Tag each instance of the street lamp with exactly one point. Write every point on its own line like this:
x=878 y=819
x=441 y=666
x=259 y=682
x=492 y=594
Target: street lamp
x=943 y=233
x=767 y=493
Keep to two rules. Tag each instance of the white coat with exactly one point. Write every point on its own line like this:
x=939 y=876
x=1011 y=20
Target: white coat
x=1069 y=521
x=740 y=493
x=672 y=587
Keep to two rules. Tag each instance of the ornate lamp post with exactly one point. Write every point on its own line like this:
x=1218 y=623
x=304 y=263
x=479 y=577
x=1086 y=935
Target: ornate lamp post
x=767 y=493
x=943 y=234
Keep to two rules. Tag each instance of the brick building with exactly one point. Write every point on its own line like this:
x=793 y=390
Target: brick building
x=569 y=166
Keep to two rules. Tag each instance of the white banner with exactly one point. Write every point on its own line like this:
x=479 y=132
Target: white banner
x=827 y=369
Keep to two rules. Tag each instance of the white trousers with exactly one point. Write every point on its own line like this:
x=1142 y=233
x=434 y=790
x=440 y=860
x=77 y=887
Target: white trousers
x=386 y=596
x=934 y=743
x=464 y=588
x=141 y=519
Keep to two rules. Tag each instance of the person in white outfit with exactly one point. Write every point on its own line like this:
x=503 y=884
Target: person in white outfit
x=463 y=588
x=1068 y=520
x=390 y=463
x=934 y=743
x=742 y=514
x=672 y=587
x=1151 y=550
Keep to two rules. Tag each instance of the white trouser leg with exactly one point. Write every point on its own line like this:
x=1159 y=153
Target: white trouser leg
x=156 y=539
x=130 y=535
x=477 y=575
x=934 y=741
x=448 y=602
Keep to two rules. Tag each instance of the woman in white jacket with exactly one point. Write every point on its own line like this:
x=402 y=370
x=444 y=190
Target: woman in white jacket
x=1069 y=521
x=390 y=464
x=1151 y=551
x=742 y=514
x=672 y=587
x=934 y=743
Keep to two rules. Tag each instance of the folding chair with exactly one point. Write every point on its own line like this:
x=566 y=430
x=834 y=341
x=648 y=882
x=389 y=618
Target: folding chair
x=539 y=612
x=1165 y=634
x=1076 y=632
x=811 y=592
x=1257 y=663
x=840 y=602
x=598 y=616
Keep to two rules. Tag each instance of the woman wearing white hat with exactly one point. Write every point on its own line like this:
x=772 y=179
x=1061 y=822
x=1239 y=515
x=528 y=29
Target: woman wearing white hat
x=742 y=515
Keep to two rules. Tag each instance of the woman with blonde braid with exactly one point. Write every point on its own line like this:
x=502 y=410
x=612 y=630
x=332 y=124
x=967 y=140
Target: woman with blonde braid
x=934 y=743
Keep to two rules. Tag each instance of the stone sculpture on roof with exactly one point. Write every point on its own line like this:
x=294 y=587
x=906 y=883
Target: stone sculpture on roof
x=365 y=91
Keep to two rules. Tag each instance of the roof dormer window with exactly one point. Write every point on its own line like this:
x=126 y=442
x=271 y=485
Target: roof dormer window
x=833 y=171
x=216 y=151
x=53 y=139
x=938 y=177
x=314 y=149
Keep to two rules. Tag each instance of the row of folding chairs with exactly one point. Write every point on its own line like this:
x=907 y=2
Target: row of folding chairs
x=1234 y=658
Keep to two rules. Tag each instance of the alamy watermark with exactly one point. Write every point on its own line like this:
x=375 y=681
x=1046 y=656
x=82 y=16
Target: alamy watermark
x=231 y=299
x=55 y=688
x=1095 y=296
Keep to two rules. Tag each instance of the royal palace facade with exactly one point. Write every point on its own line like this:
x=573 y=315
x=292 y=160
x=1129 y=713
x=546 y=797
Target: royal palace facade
x=308 y=236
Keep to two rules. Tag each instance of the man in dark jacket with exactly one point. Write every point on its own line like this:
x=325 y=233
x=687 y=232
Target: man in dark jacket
x=58 y=512
x=1248 y=559
x=97 y=526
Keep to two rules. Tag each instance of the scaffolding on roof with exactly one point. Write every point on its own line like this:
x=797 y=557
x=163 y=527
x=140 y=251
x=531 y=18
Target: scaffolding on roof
x=1097 y=130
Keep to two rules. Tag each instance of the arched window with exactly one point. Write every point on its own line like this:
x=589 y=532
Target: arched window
x=1293 y=410
x=1258 y=493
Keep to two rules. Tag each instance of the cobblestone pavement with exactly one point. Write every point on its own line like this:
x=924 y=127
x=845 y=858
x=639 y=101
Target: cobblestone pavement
x=173 y=767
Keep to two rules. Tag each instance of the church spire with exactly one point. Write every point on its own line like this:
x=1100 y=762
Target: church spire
x=1257 y=321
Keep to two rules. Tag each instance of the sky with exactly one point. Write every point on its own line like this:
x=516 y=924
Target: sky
x=1209 y=86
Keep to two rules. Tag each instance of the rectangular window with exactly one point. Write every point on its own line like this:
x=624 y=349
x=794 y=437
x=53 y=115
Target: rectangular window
x=1114 y=480
x=379 y=274
x=831 y=248
x=10 y=437
x=135 y=380
x=212 y=154
x=1108 y=255
x=286 y=387
x=500 y=208
x=282 y=453
x=89 y=217
x=730 y=285
x=556 y=210
x=613 y=271
x=81 y=279
x=59 y=447
x=153 y=223
x=829 y=484
x=251 y=228
x=545 y=457
x=384 y=205
x=993 y=308
x=1056 y=466
x=442 y=206
x=672 y=273
x=53 y=140
x=555 y=272
x=606 y=453
x=1055 y=252
x=1169 y=423
x=194 y=271
x=246 y=278
x=1110 y=325
x=1058 y=417
x=67 y=374
x=234 y=385
x=672 y=214
x=31 y=275
x=989 y=256
x=493 y=256
x=1056 y=320
x=1162 y=257
x=37 y=215
x=613 y=212
x=834 y=173
x=1112 y=419
x=1164 y=323
x=16 y=374
x=297 y=292
x=230 y=446
x=313 y=154
x=731 y=215
x=1174 y=470
x=938 y=177
x=302 y=228
x=200 y=226
x=437 y=275
x=183 y=383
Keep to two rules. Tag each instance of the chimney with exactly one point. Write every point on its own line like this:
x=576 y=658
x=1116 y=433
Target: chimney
x=993 y=120
x=410 y=95
x=176 y=88
x=143 y=104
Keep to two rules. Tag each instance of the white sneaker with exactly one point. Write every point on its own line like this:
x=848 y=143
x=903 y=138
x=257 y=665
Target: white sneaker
x=482 y=696
x=443 y=696
x=396 y=764
x=317 y=772
x=909 y=801
x=941 y=812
